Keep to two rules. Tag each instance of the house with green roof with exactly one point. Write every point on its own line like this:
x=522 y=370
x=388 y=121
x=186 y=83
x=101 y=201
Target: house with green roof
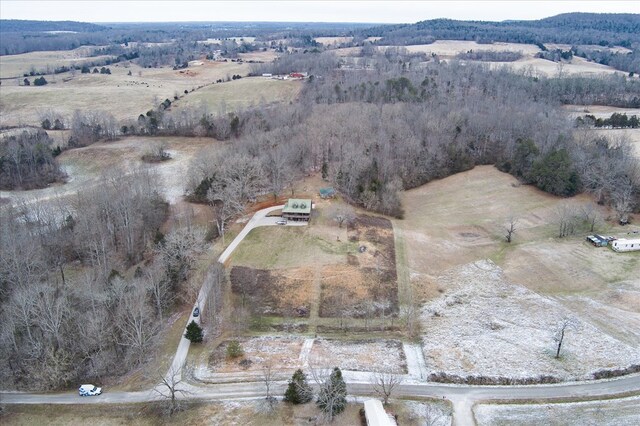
x=297 y=209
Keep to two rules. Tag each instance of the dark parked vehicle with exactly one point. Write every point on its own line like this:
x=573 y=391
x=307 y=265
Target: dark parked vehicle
x=196 y=312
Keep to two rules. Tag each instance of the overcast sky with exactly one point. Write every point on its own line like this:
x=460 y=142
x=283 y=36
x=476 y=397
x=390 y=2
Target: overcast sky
x=301 y=10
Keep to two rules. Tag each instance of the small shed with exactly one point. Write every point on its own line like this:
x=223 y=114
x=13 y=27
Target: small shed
x=624 y=244
x=327 y=192
x=597 y=240
x=297 y=209
x=376 y=415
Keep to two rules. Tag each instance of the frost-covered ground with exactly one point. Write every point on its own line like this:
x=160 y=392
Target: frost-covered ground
x=363 y=355
x=428 y=413
x=279 y=352
x=617 y=412
x=484 y=325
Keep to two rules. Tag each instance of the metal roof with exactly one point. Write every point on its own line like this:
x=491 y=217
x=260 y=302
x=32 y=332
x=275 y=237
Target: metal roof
x=297 y=205
x=376 y=415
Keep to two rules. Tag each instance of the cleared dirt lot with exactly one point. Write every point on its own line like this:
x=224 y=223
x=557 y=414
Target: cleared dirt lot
x=122 y=95
x=615 y=412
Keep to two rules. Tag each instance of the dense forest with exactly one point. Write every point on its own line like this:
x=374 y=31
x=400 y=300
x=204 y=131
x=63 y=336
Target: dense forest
x=570 y=28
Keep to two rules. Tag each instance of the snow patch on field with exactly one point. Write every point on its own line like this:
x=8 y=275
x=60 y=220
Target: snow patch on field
x=484 y=325
x=363 y=355
x=618 y=412
x=429 y=413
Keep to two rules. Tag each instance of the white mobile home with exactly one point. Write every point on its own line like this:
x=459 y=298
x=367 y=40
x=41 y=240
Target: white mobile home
x=626 y=245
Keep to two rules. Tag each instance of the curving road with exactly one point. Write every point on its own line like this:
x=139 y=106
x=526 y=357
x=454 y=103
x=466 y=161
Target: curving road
x=463 y=397
x=258 y=219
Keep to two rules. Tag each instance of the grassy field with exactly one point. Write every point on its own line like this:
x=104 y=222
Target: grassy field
x=84 y=166
x=243 y=93
x=17 y=65
x=459 y=220
x=615 y=412
x=124 y=96
x=599 y=111
x=447 y=49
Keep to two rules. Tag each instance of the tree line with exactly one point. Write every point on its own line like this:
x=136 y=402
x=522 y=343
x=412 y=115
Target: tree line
x=87 y=283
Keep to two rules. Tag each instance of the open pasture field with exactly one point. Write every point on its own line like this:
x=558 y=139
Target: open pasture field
x=85 y=166
x=598 y=111
x=460 y=220
x=328 y=41
x=613 y=412
x=614 y=49
x=453 y=47
x=543 y=67
x=122 y=95
x=17 y=65
x=481 y=312
x=243 y=93
x=450 y=48
x=261 y=56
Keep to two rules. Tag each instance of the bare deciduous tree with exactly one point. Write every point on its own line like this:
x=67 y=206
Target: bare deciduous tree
x=170 y=388
x=510 y=228
x=384 y=383
x=268 y=378
x=342 y=214
x=564 y=325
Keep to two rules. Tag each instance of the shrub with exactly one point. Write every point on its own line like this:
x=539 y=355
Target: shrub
x=234 y=350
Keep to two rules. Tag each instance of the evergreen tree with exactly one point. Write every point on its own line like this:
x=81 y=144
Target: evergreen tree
x=194 y=332
x=298 y=391
x=332 y=397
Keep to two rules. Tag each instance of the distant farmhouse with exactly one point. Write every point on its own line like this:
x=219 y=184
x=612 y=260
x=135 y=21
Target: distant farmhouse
x=297 y=209
x=626 y=245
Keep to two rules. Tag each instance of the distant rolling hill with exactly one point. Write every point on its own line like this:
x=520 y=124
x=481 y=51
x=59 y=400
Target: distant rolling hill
x=21 y=26
x=569 y=28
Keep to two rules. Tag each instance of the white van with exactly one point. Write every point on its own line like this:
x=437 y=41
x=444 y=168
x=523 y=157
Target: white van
x=89 y=390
